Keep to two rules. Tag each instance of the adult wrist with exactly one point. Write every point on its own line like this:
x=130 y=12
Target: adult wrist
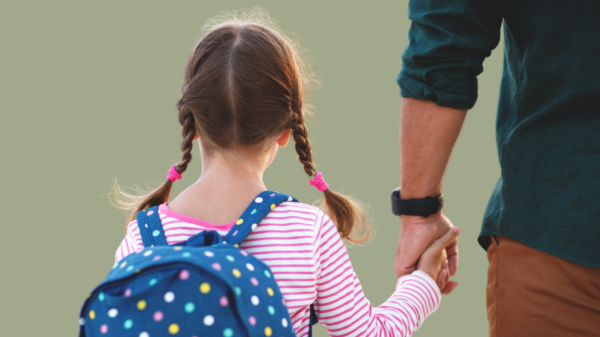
x=423 y=207
x=419 y=221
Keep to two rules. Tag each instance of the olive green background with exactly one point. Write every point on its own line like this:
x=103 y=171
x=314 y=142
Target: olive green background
x=88 y=92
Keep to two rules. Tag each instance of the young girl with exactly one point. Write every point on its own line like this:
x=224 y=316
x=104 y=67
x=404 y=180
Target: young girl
x=242 y=96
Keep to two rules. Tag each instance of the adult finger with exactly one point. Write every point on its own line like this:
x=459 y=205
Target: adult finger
x=451 y=285
x=452 y=251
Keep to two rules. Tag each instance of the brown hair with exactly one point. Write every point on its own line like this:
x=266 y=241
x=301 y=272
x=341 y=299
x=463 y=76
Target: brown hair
x=244 y=83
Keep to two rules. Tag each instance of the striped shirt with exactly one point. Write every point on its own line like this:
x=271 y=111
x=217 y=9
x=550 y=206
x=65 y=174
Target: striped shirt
x=310 y=263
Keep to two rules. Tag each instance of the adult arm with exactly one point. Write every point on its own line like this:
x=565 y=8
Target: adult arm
x=428 y=133
x=449 y=40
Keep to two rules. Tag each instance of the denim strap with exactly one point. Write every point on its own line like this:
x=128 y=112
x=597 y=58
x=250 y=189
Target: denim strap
x=151 y=230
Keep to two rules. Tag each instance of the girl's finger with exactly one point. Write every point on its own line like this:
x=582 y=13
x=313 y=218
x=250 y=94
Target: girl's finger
x=442 y=279
x=443 y=241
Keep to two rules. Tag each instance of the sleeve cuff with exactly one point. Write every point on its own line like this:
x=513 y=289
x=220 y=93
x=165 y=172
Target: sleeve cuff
x=460 y=95
x=422 y=291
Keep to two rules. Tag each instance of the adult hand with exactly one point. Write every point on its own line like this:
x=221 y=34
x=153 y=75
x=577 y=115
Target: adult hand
x=416 y=234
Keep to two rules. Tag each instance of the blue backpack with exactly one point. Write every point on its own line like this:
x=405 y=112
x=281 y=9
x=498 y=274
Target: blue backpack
x=205 y=286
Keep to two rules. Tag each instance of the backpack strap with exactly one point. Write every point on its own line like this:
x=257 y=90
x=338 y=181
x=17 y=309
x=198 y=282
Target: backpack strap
x=254 y=214
x=151 y=229
x=313 y=320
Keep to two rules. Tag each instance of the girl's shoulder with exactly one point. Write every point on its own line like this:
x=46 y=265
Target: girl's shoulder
x=297 y=209
x=288 y=210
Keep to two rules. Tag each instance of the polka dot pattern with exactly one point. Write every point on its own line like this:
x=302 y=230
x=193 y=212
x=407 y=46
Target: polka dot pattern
x=103 y=328
x=169 y=297
x=173 y=328
x=113 y=313
x=189 y=307
x=205 y=288
x=169 y=306
x=208 y=320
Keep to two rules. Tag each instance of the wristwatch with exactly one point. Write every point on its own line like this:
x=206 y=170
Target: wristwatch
x=421 y=207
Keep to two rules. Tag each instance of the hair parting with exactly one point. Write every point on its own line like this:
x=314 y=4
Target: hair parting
x=244 y=84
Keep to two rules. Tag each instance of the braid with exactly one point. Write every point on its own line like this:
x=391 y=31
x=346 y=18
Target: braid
x=186 y=119
x=347 y=214
x=303 y=148
x=161 y=194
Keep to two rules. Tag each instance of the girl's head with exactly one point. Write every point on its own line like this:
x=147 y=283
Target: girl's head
x=244 y=85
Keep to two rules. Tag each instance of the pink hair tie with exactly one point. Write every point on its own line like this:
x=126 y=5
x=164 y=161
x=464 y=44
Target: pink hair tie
x=173 y=174
x=319 y=182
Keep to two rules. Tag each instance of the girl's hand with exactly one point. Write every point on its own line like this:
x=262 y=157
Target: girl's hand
x=434 y=261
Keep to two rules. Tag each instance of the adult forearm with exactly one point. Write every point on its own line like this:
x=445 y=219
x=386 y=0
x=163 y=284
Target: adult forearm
x=428 y=133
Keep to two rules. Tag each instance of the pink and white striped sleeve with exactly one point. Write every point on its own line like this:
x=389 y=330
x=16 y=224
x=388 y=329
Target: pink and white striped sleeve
x=342 y=306
x=131 y=243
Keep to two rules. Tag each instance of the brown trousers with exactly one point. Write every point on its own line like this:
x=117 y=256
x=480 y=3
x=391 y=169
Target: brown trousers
x=531 y=293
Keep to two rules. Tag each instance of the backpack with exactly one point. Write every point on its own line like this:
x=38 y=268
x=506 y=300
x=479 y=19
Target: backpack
x=205 y=286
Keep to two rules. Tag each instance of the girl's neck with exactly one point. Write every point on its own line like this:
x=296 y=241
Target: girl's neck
x=227 y=184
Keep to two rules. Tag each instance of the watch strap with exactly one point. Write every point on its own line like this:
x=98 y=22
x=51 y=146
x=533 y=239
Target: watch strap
x=421 y=207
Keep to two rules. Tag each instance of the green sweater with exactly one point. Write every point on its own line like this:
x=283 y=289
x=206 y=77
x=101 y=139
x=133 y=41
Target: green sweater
x=548 y=122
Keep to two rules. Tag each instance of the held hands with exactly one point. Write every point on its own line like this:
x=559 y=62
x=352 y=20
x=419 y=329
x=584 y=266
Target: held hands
x=416 y=236
x=434 y=261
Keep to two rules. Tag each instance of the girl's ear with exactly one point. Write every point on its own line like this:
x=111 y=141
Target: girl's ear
x=283 y=139
x=196 y=136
